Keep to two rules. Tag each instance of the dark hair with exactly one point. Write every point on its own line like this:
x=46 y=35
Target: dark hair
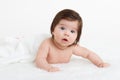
x=70 y=15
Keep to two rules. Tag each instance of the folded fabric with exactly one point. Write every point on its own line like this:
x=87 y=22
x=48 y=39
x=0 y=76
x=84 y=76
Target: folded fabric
x=19 y=49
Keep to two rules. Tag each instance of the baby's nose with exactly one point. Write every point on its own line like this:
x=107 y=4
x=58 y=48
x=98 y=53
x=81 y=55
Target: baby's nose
x=67 y=33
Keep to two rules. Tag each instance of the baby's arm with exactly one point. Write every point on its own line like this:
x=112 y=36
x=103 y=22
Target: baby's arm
x=41 y=57
x=93 y=57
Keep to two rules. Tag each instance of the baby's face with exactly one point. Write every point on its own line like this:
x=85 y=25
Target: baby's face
x=65 y=32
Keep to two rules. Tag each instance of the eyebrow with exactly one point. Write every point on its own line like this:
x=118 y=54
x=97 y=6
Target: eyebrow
x=62 y=24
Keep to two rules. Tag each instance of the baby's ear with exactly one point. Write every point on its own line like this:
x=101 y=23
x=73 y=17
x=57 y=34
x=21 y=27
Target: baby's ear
x=52 y=33
x=75 y=42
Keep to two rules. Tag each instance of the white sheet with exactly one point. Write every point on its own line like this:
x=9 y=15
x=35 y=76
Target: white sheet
x=77 y=69
x=20 y=48
x=17 y=63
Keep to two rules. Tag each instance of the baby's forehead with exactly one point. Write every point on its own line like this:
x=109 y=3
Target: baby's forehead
x=68 y=23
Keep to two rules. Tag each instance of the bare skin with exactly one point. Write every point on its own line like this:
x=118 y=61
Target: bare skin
x=60 y=48
x=50 y=54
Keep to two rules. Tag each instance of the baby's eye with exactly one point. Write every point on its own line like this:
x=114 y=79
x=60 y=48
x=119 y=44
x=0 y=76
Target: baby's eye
x=62 y=28
x=72 y=31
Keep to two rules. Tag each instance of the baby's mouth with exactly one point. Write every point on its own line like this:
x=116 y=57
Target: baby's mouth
x=65 y=39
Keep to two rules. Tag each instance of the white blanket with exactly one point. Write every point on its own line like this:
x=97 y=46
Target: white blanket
x=76 y=69
x=20 y=48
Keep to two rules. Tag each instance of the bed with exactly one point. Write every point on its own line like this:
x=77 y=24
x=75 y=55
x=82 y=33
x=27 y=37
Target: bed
x=17 y=56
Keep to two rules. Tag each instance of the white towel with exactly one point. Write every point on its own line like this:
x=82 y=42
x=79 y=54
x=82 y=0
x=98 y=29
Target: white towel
x=19 y=49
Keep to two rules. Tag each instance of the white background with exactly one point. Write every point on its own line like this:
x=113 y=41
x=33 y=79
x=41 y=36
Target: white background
x=100 y=21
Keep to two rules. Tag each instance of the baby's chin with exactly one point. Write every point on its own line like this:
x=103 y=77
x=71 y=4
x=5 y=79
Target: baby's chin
x=67 y=44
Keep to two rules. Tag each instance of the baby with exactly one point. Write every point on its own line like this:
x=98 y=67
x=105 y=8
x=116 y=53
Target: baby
x=66 y=30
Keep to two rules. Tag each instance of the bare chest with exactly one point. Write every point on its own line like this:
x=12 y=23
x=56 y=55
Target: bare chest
x=59 y=56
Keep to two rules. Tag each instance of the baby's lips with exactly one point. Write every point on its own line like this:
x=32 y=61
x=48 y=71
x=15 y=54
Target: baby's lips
x=65 y=39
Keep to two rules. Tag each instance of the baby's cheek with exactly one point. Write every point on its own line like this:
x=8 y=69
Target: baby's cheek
x=73 y=40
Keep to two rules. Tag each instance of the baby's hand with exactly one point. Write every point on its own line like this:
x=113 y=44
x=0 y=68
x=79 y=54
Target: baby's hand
x=102 y=65
x=53 y=69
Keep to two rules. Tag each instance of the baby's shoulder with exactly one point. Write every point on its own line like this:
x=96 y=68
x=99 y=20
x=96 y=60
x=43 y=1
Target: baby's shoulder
x=46 y=41
x=76 y=46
